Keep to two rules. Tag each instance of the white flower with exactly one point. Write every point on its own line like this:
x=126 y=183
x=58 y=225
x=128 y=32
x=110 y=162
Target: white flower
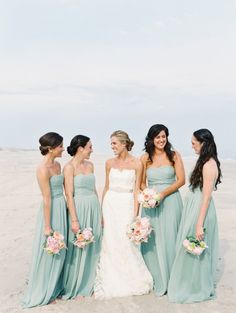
x=186 y=243
x=140 y=198
x=152 y=203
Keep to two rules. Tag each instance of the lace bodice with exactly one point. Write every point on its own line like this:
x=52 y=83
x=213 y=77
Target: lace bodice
x=121 y=180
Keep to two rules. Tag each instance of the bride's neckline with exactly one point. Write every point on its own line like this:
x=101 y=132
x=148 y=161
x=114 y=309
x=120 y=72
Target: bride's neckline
x=122 y=169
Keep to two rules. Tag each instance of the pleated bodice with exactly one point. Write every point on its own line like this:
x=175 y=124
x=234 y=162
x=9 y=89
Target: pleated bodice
x=160 y=176
x=84 y=184
x=56 y=185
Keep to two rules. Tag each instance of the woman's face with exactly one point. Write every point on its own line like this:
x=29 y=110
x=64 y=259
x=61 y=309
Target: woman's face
x=117 y=146
x=160 y=140
x=196 y=145
x=87 y=150
x=57 y=152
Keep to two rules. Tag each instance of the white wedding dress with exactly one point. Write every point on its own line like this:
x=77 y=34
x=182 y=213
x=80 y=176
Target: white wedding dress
x=121 y=271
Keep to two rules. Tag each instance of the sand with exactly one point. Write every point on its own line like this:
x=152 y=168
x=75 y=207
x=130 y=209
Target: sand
x=20 y=198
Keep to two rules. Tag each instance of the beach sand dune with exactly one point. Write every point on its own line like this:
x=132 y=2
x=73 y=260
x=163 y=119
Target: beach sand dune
x=20 y=198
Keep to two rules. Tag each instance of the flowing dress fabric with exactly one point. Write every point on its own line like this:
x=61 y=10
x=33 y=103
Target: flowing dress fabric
x=192 y=278
x=159 y=251
x=45 y=280
x=121 y=271
x=80 y=263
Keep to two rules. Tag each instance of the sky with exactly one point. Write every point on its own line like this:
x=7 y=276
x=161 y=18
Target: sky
x=94 y=66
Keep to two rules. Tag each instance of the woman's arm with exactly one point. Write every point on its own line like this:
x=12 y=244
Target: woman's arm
x=106 y=187
x=95 y=189
x=92 y=171
x=69 y=191
x=138 y=181
x=144 y=159
x=180 y=177
x=107 y=169
x=209 y=175
x=43 y=181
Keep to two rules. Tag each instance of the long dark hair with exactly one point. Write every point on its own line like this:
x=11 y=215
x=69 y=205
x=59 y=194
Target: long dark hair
x=149 y=142
x=76 y=142
x=207 y=152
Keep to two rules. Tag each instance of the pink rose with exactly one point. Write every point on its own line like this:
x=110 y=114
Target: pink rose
x=87 y=234
x=186 y=243
x=81 y=244
x=197 y=250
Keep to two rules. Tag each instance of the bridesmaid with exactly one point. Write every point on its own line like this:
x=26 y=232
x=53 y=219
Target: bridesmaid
x=84 y=208
x=163 y=171
x=45 y=283
x=192 y=278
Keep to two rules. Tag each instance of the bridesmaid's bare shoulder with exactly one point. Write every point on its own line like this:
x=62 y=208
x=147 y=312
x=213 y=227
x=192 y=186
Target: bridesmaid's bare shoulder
x=68 y=167
x=177 y=156
x=42 y=172
x=144 y=157
x=210 y=167
x=137 y=163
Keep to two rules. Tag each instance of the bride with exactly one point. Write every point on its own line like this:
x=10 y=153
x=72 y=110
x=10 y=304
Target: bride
x=121 y=270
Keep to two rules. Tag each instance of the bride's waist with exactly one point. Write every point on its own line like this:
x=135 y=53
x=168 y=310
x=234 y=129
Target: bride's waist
x=120 y=189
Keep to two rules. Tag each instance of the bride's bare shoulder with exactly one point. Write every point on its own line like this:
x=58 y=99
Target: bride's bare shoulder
x=110 y=162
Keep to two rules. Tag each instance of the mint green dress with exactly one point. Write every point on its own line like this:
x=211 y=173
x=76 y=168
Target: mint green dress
x=45 y=280
x=80 y=264
x=159 y=251
x=192 y=278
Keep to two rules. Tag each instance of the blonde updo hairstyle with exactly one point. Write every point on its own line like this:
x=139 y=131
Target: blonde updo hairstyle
x=123 y=137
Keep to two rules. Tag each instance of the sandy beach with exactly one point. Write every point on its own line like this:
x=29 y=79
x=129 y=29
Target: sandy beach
x=20 y=198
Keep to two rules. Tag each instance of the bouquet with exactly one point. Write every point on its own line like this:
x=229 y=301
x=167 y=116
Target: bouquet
x=83 y=237
x=54 y=243
x=149 y=198
x=139 y=230
x=194 y=246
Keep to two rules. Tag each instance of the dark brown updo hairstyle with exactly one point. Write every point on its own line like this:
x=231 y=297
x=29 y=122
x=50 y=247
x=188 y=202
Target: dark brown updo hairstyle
x=76 y=142
x=149 y=146
x=49 y=141
x=208 y=151
x=123 y=137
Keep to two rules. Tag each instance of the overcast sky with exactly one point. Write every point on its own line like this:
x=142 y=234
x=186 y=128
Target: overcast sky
x=94 y=66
